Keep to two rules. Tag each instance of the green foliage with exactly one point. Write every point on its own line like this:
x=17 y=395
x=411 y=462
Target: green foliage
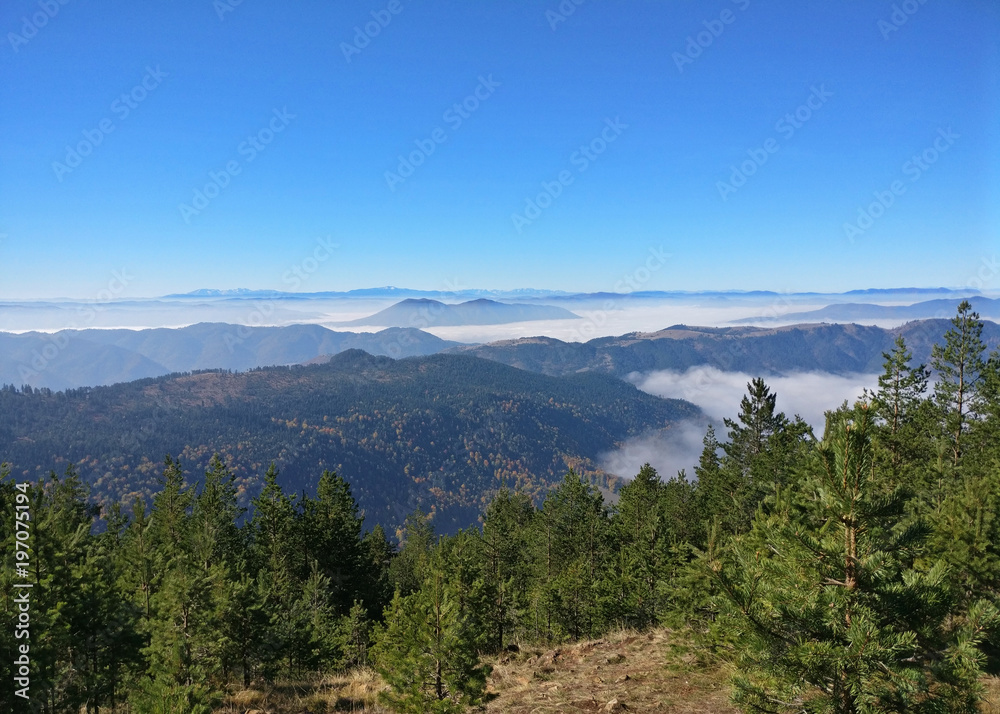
x=507 y=567
x=858 y=574
x=416 y=538
x=763 y=449
x=353 y=638
x=897 y=404
x=572 y=530
x=427 y=651
x=159 y=696
x=827 y=610
x=642 y=536
x=959 y=366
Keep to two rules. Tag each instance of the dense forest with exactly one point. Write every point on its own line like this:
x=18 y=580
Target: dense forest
x=853 y=571
x=441 y=433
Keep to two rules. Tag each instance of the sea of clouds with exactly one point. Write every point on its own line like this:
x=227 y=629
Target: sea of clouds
x=718 y=393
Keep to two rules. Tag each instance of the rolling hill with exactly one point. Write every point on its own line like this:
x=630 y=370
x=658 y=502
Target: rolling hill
x=86 y=358
x=423 y=312
x=440 y=432
x=758 y=350
x=928 y=309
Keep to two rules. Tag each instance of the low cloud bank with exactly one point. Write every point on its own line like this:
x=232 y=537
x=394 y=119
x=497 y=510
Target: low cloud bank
x=718 y=393
x=668 y=452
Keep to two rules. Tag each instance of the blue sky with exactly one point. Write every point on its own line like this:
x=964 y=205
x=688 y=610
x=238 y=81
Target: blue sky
x=634 y=113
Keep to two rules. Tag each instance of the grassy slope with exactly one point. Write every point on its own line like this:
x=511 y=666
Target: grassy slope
x=651 y=673
x=644 y=672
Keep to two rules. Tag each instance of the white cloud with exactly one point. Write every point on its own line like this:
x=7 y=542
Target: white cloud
x=718 y=393
x=668 y=452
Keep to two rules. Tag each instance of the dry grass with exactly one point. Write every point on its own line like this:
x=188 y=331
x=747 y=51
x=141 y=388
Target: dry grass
x=644 y=672
x=652 y=672
x=356 y=691
x=992 y=703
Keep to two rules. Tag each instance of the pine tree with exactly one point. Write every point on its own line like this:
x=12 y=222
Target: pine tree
x=60 y=537
x=507 y=565
x=354 y=638
x=900 y=393
x=136 y=562
x=427 y=652
x=959 y=366
x=640 y=542
x=275 y=554
x=717 y=494
x=214 y=517
x=185 y=650
x=826 y=609
x=245 y=625
x=572 y=529
x=375 y=584
x=415 y=538
x=331 y=528
x=312 y=642
x=763 y=449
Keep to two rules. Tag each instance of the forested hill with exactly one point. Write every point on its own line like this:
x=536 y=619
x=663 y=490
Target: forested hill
x=439 y=432
x=757 y=350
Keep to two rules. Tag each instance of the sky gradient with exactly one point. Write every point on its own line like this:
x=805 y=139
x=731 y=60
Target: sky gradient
x=623 y=123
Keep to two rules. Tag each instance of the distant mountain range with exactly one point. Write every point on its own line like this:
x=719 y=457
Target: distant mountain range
x=70 y=359
x=440 y=432
x=395 y=292
x=757 y=350
x=86 y=358
x=383 y=292
x=848 y=312
x=422 y=312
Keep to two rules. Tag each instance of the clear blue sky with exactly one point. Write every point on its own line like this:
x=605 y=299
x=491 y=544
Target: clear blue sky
x=886 y=92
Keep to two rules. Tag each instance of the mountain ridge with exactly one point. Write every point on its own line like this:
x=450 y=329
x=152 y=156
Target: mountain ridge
x=425 y=312
x=441 y=432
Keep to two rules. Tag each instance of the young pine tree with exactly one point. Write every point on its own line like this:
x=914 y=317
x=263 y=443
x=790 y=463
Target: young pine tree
x=571 y=552
x=186 y=646
x=640 y=537
x=507 y=565
x=959 y=365
x=825 y=609
x=763 y=448
x=896 y=402
x=331 y=529
x=427 y=652
x=275 y=557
